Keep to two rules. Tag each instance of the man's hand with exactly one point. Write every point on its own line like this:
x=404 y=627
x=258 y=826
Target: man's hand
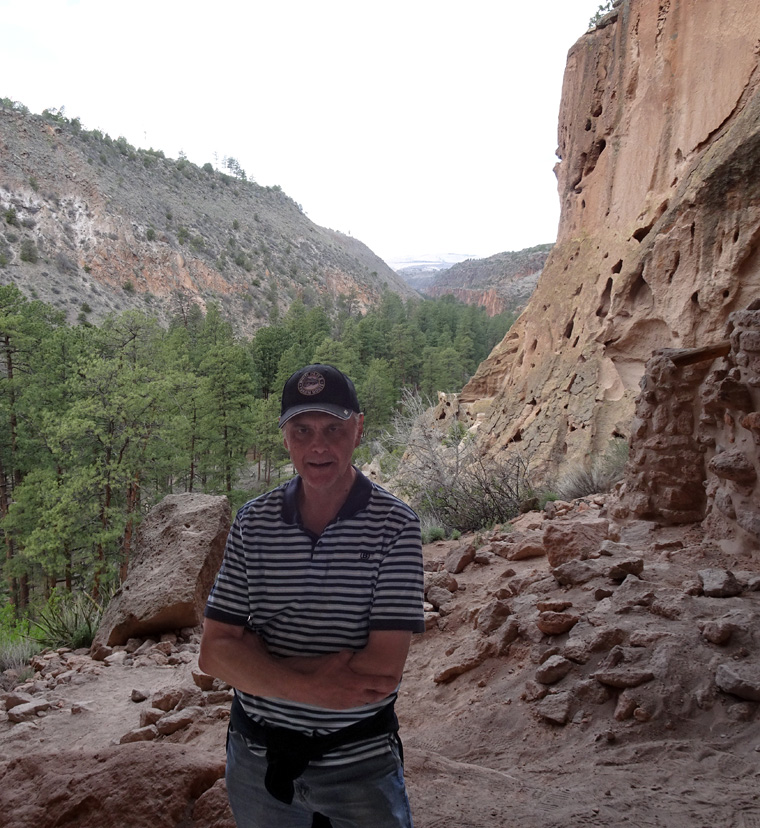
x=335 y=685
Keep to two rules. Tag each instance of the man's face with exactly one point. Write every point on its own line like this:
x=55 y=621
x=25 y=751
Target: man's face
x=321 y=447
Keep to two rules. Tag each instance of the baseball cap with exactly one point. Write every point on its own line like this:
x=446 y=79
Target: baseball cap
x=318 y=388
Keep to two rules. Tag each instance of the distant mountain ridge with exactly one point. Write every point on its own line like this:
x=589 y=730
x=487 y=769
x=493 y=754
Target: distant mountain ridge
x=93 y=226
x=503 y=282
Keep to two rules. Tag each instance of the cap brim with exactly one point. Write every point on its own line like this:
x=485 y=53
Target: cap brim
x=335 y=410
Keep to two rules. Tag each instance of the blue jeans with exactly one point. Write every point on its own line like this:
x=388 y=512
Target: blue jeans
x=367 y=794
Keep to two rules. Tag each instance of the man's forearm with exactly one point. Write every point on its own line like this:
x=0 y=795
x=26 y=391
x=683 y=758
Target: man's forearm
x=243 y=661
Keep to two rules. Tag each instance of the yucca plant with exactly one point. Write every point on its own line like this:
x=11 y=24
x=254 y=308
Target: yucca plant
x=70 y=619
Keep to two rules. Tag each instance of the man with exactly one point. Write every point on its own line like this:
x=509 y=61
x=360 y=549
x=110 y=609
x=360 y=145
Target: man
x=310 y=620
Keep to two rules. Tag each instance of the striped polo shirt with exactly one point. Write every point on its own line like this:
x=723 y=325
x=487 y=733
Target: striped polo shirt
x=307 y=595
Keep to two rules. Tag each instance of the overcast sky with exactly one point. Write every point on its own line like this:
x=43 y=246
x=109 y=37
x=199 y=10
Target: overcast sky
x=421 y=127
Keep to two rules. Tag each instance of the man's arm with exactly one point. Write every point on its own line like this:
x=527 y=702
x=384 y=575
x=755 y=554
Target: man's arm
x=337 y=681
x=385 y=654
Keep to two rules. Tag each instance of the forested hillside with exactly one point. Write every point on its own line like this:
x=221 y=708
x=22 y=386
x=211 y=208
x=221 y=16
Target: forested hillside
x=98 y=423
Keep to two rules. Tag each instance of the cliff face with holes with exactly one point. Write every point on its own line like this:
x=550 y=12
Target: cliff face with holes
x=659 y=236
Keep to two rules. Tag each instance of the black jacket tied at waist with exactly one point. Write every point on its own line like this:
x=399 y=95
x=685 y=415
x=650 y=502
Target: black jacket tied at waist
x=289 y=752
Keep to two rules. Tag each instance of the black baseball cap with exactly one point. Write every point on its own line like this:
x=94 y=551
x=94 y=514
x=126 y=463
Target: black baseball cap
x=318 y=388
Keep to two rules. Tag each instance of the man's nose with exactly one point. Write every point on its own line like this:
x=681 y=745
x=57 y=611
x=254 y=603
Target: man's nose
x=319 y=442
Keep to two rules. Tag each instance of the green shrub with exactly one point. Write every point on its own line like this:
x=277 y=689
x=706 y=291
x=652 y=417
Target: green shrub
x=604 y=8
x=29 y=251
x=128 y=287
x=11 y=216
x=433 y=534
x=150 y=234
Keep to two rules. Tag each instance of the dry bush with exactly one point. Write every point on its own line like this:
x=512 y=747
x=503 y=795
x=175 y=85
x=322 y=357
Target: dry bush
x=600 y=476
x=446 y=476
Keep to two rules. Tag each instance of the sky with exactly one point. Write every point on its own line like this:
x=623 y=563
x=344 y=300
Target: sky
x=423 y=128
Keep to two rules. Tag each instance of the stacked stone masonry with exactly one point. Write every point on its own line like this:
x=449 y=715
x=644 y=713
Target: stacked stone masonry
x=695 y=438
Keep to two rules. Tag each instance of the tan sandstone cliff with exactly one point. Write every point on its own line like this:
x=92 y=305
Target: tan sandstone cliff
x=659 y=183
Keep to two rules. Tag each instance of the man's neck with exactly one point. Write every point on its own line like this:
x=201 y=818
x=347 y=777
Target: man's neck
x=318 y=507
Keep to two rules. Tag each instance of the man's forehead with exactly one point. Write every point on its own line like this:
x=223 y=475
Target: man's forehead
x=311 y=417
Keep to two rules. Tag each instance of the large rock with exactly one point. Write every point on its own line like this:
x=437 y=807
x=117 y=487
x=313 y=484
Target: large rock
x=179 y=550
x=137 y=785
x=580 y=539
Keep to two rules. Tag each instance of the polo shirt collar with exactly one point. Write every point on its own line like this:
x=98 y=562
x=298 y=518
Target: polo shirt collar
x=357 y=499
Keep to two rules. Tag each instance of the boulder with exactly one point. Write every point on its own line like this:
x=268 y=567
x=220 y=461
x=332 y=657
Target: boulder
x=582 y=538
x=742 y=680
x=719 y=583
x=158 y=784
x=179 y=550
x=492 y=616
x=461 y=557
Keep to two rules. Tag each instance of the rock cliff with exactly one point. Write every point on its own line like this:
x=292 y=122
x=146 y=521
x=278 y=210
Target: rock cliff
x=92 y=225
x=499 y=283
x=659 y=234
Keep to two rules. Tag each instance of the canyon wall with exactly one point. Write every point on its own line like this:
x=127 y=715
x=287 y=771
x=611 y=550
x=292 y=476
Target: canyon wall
x=94 y=226
x=659 y=234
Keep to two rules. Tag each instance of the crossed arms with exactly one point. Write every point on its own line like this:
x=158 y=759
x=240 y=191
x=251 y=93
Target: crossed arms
x=337 y=681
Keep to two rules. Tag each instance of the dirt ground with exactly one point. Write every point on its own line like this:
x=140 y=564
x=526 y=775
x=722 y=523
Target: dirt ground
x=477 y=754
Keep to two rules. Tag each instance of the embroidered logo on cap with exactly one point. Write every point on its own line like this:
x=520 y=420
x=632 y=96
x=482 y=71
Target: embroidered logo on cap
x=311 y=383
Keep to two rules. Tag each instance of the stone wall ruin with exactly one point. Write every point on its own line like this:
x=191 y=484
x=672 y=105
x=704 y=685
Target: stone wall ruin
x=695 y=439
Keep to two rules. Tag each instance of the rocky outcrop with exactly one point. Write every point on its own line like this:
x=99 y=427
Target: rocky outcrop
x=157 y=785
x=659 y=140
x=617 y=619
x=179 y=550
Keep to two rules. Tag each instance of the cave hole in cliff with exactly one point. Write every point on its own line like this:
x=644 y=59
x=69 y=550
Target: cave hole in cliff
x=597 y=111
x=593 y=157
x=695 y=298
x=676 y=262
x=643 y=232
x=604 y=302
x=617 y=267
x=736 y=235
x=575 y=344
x=640 y=291
x=569 y=328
